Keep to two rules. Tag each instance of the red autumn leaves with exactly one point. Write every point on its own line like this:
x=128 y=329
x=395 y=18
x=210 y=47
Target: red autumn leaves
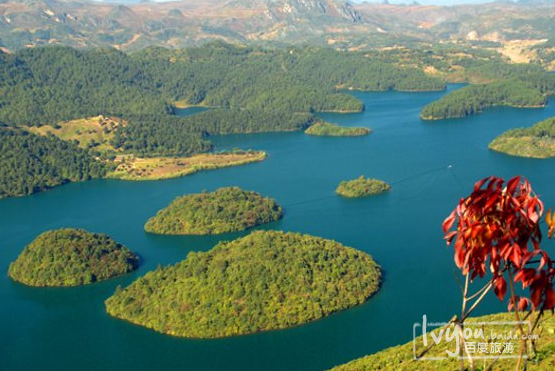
x=497 y=230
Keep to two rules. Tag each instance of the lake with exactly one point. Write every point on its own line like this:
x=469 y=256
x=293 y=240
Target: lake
x=430 y=165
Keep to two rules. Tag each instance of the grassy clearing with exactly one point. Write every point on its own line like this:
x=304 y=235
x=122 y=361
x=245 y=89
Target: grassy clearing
x=520 y=51
x=97 y=133
x=135 y=168
x=90 y=132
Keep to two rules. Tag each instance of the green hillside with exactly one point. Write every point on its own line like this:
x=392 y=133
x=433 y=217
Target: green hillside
x=537 y=141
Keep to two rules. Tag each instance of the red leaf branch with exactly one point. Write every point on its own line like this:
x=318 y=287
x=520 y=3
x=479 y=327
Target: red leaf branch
x=497 y=228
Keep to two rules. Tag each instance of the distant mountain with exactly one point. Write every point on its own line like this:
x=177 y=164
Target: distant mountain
x=338 y=23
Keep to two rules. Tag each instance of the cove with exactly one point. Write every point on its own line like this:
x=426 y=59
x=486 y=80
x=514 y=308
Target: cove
x=430 y=165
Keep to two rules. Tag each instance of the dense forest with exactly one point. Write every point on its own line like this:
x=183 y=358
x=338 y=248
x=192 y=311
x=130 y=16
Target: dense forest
x=30 y=163
x=61 y=83
x=251 y=89
x=537 y=141
x=224 y=210
x=325 y=129
x=362 y=187
x=267 y=280
x=71 y=257
x=527 y=90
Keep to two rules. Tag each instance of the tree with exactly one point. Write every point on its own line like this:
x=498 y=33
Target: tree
x=496 y=233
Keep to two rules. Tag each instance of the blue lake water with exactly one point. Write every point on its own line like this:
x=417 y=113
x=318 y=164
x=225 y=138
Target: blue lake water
x=429 y=164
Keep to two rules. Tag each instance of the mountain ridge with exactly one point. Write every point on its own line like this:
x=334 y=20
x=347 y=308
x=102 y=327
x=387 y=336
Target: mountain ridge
x=338 y=23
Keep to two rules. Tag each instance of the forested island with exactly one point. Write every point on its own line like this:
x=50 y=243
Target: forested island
x=362 y=187
x=267 y=280
x=131 y=98
x=326 y=129
x=537 y=141
x=71 y=257
x=521 y=86
x=225 y=210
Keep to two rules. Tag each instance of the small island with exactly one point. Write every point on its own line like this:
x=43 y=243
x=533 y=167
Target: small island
x=265 y=281
x=537 y=141
x=71 y=257
x=228 y=209
x=362 y=187
x=326 y=129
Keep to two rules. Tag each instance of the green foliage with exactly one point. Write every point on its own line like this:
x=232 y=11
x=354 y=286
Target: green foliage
x=456 y=63
x=401 y=357
x=490 y=70
x=60 y=83
x=525 y=91
x=362 y=187
x=156 y=135
x=30 y=163
x=225 y=210
x=234 y=121
x=265 y=281
x=49 y=84
x=537 y=141
x=331 y=130
x=71 y=257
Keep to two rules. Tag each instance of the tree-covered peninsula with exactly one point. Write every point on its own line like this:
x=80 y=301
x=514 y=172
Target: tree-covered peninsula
x=525 y=91
x=326 y=129
x=225 y=210
x=362 y=187
x=267 y=280
x=71 y=257
x=30 y=163
x=537 y=141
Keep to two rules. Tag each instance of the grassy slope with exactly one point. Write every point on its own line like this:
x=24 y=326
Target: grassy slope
x=98 y=129
x=400 y=358
x=101 y=130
